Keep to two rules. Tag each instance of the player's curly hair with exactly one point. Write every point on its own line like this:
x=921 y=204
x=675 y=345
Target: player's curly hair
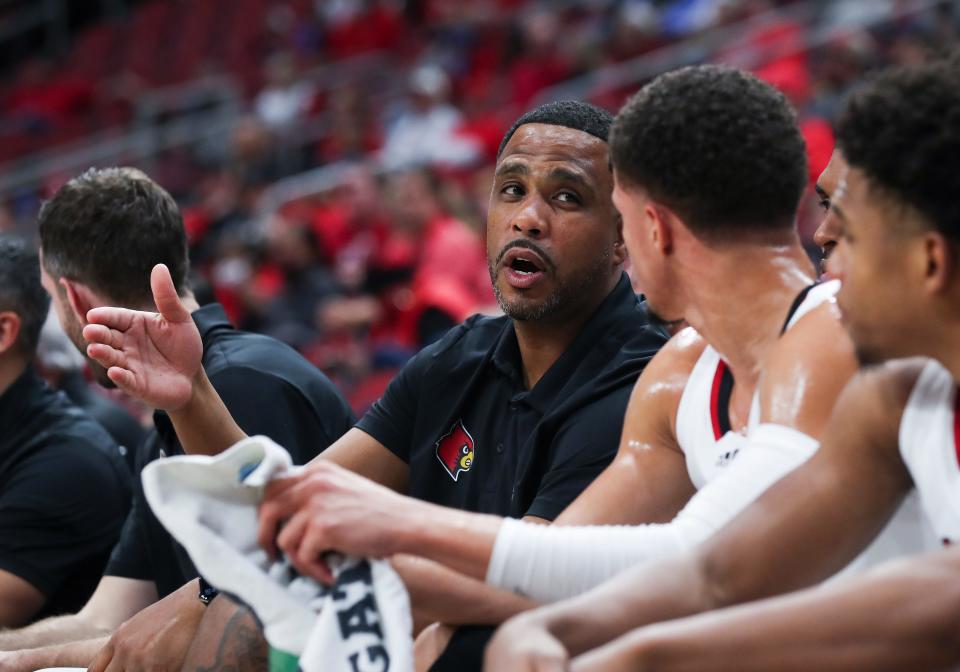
x=903 y=131
x=573 y=114
x=717 y=146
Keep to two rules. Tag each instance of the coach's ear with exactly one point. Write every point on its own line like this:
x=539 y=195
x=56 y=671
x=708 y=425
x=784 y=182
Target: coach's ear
x=619 y=245
x=80 y=298
x=10 y=325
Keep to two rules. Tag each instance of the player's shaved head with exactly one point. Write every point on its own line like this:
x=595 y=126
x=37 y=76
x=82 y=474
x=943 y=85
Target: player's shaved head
x=573 y=114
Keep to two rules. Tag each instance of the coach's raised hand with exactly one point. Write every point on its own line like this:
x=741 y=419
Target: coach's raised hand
x=157 y=358
x=152 y=356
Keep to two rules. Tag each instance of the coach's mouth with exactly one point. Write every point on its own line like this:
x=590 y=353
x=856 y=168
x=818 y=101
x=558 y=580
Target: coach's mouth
x=523 y=267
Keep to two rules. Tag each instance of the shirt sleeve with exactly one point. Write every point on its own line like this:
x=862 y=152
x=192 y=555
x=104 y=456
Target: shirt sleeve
x=391 y=419
x=130 y=559
x=581 y=450
x=291 y=420
x=63 y=507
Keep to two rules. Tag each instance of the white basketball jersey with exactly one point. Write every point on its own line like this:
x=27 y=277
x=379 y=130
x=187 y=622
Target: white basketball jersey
x=930 y=447
x=709 y=444
x=703 y=427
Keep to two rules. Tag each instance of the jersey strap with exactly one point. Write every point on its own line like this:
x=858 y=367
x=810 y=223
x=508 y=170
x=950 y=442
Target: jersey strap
x=797 y=302
x=956 y=423
x=720 y=400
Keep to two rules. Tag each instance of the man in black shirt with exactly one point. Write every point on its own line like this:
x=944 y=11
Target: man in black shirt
x=100 y=235
x=64 y=491
x=512 y=415
x=63 y=368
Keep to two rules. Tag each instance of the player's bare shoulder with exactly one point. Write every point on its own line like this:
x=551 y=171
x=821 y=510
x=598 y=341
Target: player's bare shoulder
x=657 y=392
x=668 y=371
x=804 y=373
x=887 y=387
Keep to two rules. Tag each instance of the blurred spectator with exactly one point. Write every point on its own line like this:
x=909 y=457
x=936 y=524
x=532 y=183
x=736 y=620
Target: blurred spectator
x=536 y=61
x=426 y=131
x=284 y=98
x=290 y=316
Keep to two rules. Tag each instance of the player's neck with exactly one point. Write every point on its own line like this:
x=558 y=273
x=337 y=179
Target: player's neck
x=942 y=346
x=739 y=299
x=11 y=368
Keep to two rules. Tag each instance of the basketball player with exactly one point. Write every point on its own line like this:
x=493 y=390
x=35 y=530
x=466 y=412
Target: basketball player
x=895 y=429
x=826 y=235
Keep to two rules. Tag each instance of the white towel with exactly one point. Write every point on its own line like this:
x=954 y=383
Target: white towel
x=209 y=505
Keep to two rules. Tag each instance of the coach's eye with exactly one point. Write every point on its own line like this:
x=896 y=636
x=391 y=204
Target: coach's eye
x=513 y=190
x=568 y=197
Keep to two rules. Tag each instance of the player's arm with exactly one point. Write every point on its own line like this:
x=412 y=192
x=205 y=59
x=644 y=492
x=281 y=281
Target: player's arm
x=114 y=601
x=790 y=537
x=901 y=616
x=19 y=600
x=334 y=509
x=71 y=654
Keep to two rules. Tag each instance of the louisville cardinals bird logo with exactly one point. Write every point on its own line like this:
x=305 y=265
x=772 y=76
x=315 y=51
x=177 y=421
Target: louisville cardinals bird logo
x=455 y=450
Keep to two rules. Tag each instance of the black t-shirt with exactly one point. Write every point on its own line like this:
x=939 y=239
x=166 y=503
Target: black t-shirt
x=121 y=425
x=476 y=439
x=269 y=389
x=64 y=493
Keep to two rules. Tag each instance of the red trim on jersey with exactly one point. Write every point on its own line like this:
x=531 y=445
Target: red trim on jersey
x=715 y=399
x=956 y=423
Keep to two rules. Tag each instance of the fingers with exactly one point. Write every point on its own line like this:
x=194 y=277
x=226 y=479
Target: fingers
x=123 y=379
x=98 y=333
x=165 y=295
x=102 y=659
x=106 y=356
x=309 y=557
x=116 y=318
x=280 y=500
x=288 y=540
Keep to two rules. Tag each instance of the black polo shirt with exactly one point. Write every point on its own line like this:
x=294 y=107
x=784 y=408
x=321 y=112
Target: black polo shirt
x=64 y=493
x=269 y=389
x=476 y=439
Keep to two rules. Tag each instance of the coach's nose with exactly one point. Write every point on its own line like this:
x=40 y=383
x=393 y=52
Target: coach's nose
x=533 y=218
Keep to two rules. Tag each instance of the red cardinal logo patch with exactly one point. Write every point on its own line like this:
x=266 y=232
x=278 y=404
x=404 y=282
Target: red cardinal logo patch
x=455 y=450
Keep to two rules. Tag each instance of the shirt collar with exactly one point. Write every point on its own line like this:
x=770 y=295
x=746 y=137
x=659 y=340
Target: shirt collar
x=210 y=318
x=506 y=355
x=19 y=396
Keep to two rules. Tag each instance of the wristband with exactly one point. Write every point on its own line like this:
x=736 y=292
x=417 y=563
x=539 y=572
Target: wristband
x=207 y=592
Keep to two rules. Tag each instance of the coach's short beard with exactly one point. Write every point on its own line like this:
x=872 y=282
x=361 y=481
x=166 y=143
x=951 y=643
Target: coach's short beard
x=565 y=293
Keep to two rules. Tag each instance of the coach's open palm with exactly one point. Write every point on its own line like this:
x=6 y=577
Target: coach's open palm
x=151 y=356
